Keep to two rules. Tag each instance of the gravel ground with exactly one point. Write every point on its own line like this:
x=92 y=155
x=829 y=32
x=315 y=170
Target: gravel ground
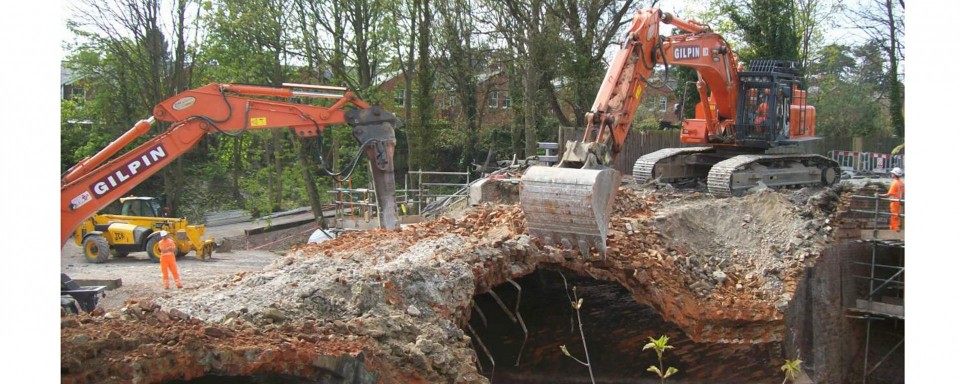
x=141 y=278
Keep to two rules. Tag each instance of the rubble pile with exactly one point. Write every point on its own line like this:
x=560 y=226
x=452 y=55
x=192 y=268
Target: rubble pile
x=721 y=269
x=141 y=342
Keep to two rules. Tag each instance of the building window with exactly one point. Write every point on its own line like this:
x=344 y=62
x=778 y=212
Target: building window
x=492 y=101
x=506 y=101
x=663 y=103
x=398 y=98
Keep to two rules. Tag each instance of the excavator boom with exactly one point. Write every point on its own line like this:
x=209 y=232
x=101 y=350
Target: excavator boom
x=95 y=182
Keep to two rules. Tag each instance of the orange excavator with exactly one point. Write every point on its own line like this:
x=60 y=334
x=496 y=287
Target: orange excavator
x=748 y=122
x=95 y=182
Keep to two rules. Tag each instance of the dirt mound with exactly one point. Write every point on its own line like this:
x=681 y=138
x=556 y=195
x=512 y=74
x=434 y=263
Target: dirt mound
x=757 y=240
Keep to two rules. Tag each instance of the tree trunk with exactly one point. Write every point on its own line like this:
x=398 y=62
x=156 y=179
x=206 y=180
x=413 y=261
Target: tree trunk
x=425 y=79
x=306 y=167
x=896 y=99
x=531 y=81
x=408 y=88
x=237 y=169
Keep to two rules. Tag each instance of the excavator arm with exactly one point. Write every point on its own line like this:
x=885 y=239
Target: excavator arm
x=95 y=182
x=613 y=111
x=570 y=204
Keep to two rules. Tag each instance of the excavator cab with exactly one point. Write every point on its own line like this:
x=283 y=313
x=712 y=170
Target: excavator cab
x=764 y=103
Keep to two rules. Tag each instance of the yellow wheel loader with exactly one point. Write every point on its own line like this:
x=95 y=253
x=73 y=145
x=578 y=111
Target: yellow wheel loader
x=136 y=229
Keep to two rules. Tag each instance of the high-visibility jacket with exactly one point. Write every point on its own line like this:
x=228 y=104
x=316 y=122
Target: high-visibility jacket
x=896 y=191
x=168 y=247
x=761 y=114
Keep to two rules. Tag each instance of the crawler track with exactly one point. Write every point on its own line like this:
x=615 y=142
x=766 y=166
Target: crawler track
x=736 y=175
x=644 y=168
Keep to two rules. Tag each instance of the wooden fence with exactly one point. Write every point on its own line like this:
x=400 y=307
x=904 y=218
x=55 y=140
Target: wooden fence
x=640 y=143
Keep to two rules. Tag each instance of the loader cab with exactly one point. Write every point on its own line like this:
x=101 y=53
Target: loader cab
x=140 y=206
x=763 y=104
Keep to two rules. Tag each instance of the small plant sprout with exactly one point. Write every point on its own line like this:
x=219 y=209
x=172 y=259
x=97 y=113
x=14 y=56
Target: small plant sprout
x=791 y=369
x=576 y=304
x=660 y=346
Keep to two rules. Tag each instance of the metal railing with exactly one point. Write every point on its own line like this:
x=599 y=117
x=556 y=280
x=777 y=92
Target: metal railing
x=877 y=213
x=354 y=204
x=436 y=189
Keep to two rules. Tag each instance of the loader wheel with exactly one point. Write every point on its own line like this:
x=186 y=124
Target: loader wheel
x=153 y=249
x=96 y=249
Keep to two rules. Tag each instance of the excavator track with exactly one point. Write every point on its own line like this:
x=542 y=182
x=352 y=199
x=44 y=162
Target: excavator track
x=645 y=168
x=736 y=175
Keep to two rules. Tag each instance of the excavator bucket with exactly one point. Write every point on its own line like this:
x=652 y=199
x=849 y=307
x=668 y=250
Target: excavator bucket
x=569 y=207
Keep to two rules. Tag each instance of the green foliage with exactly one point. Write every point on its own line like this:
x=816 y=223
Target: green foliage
x=846 y=87
x=660 y=346
x=791 y=370
x=769 y=28
x=499 y=139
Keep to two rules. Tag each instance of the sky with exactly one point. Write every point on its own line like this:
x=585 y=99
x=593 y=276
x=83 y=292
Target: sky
x=31 y=161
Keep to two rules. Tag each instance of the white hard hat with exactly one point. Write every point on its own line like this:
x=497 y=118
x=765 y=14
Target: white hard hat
x=164 y=233
x=897 y=172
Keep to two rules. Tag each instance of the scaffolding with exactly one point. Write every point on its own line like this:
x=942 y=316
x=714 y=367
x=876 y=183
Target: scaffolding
x=884 y=281
x=358 y=205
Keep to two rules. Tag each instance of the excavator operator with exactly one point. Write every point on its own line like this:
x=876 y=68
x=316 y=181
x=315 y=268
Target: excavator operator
x=762 y=109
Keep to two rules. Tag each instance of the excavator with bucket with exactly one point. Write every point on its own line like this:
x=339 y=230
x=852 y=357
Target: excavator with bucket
x=744 y=121
x=230 y=109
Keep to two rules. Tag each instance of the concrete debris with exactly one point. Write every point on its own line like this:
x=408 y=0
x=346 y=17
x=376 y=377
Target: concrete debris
x=392 y=306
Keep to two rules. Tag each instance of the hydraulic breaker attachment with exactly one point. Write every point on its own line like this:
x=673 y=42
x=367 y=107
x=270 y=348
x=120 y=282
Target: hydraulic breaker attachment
x=374 y=129
x=568 y=206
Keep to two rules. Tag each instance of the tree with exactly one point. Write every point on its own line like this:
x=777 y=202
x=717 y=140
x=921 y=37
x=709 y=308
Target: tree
x=844 y=86
x=461 y=60
x=127 y=56
x=425 y=82
x=522 y=26
x=882 y=21
x=811 y=16
x=250 y=42
x=769 y=28
x=588 y=28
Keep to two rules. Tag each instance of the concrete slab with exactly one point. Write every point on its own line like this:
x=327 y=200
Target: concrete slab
x=881 y=234
x=879 y=308
x=111 y=284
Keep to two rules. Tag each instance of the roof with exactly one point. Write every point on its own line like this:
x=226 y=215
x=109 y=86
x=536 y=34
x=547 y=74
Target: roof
x=67 y=75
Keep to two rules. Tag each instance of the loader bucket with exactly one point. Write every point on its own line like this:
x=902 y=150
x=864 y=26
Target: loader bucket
x=569 y=207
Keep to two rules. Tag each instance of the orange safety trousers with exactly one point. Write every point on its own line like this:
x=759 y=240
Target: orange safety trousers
x=168 y=264
x=895 y=216
x=895 y=192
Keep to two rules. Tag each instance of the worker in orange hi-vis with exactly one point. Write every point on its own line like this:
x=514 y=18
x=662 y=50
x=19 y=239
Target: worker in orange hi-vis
x=895 y=192
x=168 y=260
